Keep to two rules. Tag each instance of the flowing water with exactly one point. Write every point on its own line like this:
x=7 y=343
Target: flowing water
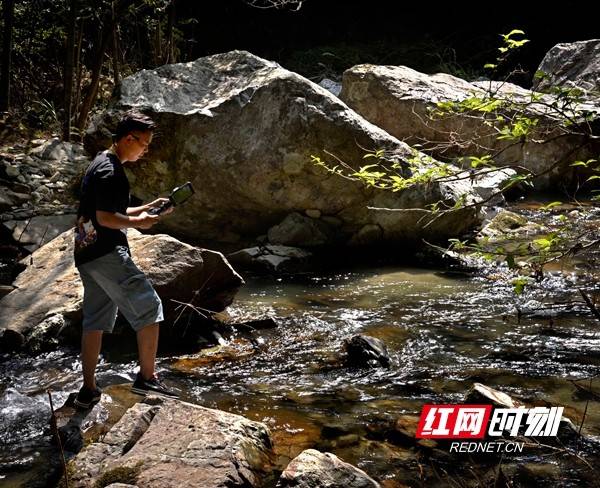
x=444 y=331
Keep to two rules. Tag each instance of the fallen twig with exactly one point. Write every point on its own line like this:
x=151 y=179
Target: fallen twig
x=54 y=427
x=590 y=304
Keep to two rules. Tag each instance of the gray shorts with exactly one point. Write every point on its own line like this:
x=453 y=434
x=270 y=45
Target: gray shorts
x=112 y=282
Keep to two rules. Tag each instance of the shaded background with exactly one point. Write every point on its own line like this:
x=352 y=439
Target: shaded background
x=320 y=40
x=453 y=38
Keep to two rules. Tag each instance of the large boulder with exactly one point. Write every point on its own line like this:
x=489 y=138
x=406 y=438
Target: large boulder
x=163 y=443
x=242 y=129
x=314 y=469
x=571 y=65
x=46 y=304
x=401 y=100
x=34 y=232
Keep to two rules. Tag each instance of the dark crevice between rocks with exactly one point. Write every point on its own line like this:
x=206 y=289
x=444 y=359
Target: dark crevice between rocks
x=11 y=252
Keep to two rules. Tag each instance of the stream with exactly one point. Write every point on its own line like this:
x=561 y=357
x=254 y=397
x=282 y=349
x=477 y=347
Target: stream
x=444 y=331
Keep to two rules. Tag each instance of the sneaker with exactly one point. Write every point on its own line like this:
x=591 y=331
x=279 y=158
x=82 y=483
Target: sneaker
x=87 y=397
x=152 y=386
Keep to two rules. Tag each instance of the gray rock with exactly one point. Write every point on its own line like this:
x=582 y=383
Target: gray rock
x=44 y=190
x=243 y=129
x=40 y=229
x=51 y=285
x=299 y=230
x=334 y=87
x=399 y=99
x=24 y=213
x=489 y=185
x=6 y=203
x=12 y=171
x=366 y=351
x=482 y=394
x=56 y=150
x=508 y=225
x=163 y=443
x=44 y=337
x=314 y=469
x=571 y=65
x=271 y=258
x=367 y=235
x=20 y=198
x=18 y=187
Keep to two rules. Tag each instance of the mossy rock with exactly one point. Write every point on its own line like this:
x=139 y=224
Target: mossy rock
x=121 y=474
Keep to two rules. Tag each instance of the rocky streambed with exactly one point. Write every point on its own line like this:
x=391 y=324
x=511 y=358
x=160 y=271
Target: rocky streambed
x=444 y=331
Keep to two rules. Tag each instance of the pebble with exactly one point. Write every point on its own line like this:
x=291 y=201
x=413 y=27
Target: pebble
x=12 y=171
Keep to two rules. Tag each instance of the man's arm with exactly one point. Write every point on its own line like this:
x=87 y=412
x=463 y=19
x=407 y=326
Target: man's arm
x=134 y=211
x=120 y=221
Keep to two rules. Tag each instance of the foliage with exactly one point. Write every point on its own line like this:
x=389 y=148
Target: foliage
x=507 y=118
x=330 y=60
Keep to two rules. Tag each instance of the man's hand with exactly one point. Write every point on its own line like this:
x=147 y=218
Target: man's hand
x=157 y=203
x=145 y=220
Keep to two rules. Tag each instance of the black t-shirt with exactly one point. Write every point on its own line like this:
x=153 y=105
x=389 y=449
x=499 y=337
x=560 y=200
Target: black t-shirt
x=104 y=187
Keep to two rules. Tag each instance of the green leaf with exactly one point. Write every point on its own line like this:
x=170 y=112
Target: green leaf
x=551 y=205
x=543 y=243
x=519 y=284
x=490 y=66
x=513 y=32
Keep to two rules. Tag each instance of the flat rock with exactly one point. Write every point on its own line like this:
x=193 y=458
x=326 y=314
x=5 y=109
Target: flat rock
x=165 y=443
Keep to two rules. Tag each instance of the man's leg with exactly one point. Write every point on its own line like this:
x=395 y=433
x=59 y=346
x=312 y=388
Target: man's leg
x=98 y=310
x=146 y=381
x=91 y=342
x=147 y=340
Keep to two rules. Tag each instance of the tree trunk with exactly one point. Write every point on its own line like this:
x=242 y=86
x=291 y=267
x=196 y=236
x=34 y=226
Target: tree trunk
x=158 y=44
x=78 y=68
x=170 y=54
x=8 y=11
x=115 y=48
x=92 y=93
x=68 y=78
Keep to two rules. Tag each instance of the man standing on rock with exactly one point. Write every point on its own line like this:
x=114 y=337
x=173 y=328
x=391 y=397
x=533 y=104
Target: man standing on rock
x=111 y=280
